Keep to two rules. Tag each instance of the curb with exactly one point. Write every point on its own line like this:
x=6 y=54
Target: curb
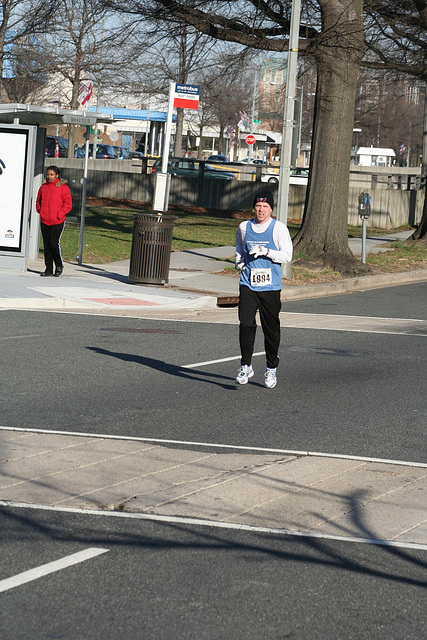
x=350 y=285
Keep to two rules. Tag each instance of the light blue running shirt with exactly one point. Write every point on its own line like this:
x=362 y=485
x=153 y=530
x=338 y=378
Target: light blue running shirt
x=261 y=274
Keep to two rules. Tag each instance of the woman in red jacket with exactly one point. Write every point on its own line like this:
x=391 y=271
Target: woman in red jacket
x=53 y=204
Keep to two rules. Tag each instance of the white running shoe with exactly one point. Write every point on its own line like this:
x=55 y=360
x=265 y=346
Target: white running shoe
x=244 y=373
x=270 y=380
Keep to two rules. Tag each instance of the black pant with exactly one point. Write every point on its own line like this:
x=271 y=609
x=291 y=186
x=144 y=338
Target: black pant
x=52 y=246
x=268 y=304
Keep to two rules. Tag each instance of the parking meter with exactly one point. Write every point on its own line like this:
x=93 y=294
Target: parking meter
x=364 y=213
x=364 y=206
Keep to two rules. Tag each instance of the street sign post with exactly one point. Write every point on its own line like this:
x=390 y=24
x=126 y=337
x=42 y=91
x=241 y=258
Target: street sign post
x=184 y=96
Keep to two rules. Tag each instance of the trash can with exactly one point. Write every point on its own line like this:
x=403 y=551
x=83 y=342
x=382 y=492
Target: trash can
x=151 y=248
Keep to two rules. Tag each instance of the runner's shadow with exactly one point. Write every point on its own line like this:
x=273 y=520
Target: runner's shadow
x=166 y=367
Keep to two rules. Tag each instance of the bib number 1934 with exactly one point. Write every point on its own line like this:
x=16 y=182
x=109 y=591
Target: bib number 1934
x=260 y=277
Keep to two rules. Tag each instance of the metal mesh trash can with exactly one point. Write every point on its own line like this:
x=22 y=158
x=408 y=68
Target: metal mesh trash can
x=151 y=248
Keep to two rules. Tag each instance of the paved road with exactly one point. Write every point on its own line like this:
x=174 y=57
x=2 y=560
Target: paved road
x=406 y=301
x=342 y=392
x=163 y=580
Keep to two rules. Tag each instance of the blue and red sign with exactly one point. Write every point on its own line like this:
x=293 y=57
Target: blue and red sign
x=186 y=96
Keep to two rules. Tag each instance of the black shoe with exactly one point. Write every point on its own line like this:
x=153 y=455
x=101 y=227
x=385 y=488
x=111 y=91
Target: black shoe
x=58 y=272
x=47 y=273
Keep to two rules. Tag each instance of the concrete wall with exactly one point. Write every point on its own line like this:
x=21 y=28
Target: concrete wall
x=397 y=178
x=396 y=200
x=389 y=209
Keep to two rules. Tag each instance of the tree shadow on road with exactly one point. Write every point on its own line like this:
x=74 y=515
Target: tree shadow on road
x=150 y=532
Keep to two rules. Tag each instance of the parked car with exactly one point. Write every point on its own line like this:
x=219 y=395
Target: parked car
x=136 y=154
x=122 y=153
x=190 y=168
x=271 y=178
x=254 y=161
x=299 y=171
x=103 y=151
x=297 y=176
x=56 y=147
x=218 y=158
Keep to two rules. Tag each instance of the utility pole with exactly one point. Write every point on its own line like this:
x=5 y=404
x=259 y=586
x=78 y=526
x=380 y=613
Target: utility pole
x=252 y=127
x=288 y=123
x=424 y=152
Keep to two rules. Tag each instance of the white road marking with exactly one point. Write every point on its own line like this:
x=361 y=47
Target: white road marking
x=50 y=567
x=213 y=445
x=217 y=525
x=202 y=364
x=34 y=335
x=358 y=324
x=346 y=317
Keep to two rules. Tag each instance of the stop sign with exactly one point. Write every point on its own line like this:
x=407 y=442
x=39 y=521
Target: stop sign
x=250 y=139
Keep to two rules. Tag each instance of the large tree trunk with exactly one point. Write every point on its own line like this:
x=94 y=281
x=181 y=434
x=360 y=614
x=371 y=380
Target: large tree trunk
x=324 y=231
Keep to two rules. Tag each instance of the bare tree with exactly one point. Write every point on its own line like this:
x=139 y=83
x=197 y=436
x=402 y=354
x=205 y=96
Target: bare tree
x=181 y=54
x=333 y=37
x=389 y=111
x=20 y=21
x=396 y=36
x=26 y=70
x=227 y=89
x=81 y=44
x=169 y=50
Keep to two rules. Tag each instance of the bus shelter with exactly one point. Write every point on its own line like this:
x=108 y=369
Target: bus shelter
x=22 y=155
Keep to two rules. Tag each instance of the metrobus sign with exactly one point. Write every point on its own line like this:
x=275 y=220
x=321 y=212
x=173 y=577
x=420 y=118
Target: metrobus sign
x=186 y=96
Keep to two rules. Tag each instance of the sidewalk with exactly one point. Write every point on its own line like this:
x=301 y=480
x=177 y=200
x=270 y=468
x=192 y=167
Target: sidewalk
x=285 y=491
x=193 y=287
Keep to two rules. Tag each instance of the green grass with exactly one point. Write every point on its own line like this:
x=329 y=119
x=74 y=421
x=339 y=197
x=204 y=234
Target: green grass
x=356 y=232
x=108 y=234
x=192 y=231
x=403 y=256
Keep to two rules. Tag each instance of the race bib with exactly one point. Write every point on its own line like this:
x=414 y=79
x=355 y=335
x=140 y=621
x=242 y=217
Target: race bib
x=260 y=277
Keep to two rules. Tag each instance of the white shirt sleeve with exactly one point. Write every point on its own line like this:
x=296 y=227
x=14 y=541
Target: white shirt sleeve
x=281 y=238
x=240 y=241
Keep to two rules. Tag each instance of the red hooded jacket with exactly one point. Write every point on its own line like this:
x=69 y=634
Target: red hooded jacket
x=54 y=202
